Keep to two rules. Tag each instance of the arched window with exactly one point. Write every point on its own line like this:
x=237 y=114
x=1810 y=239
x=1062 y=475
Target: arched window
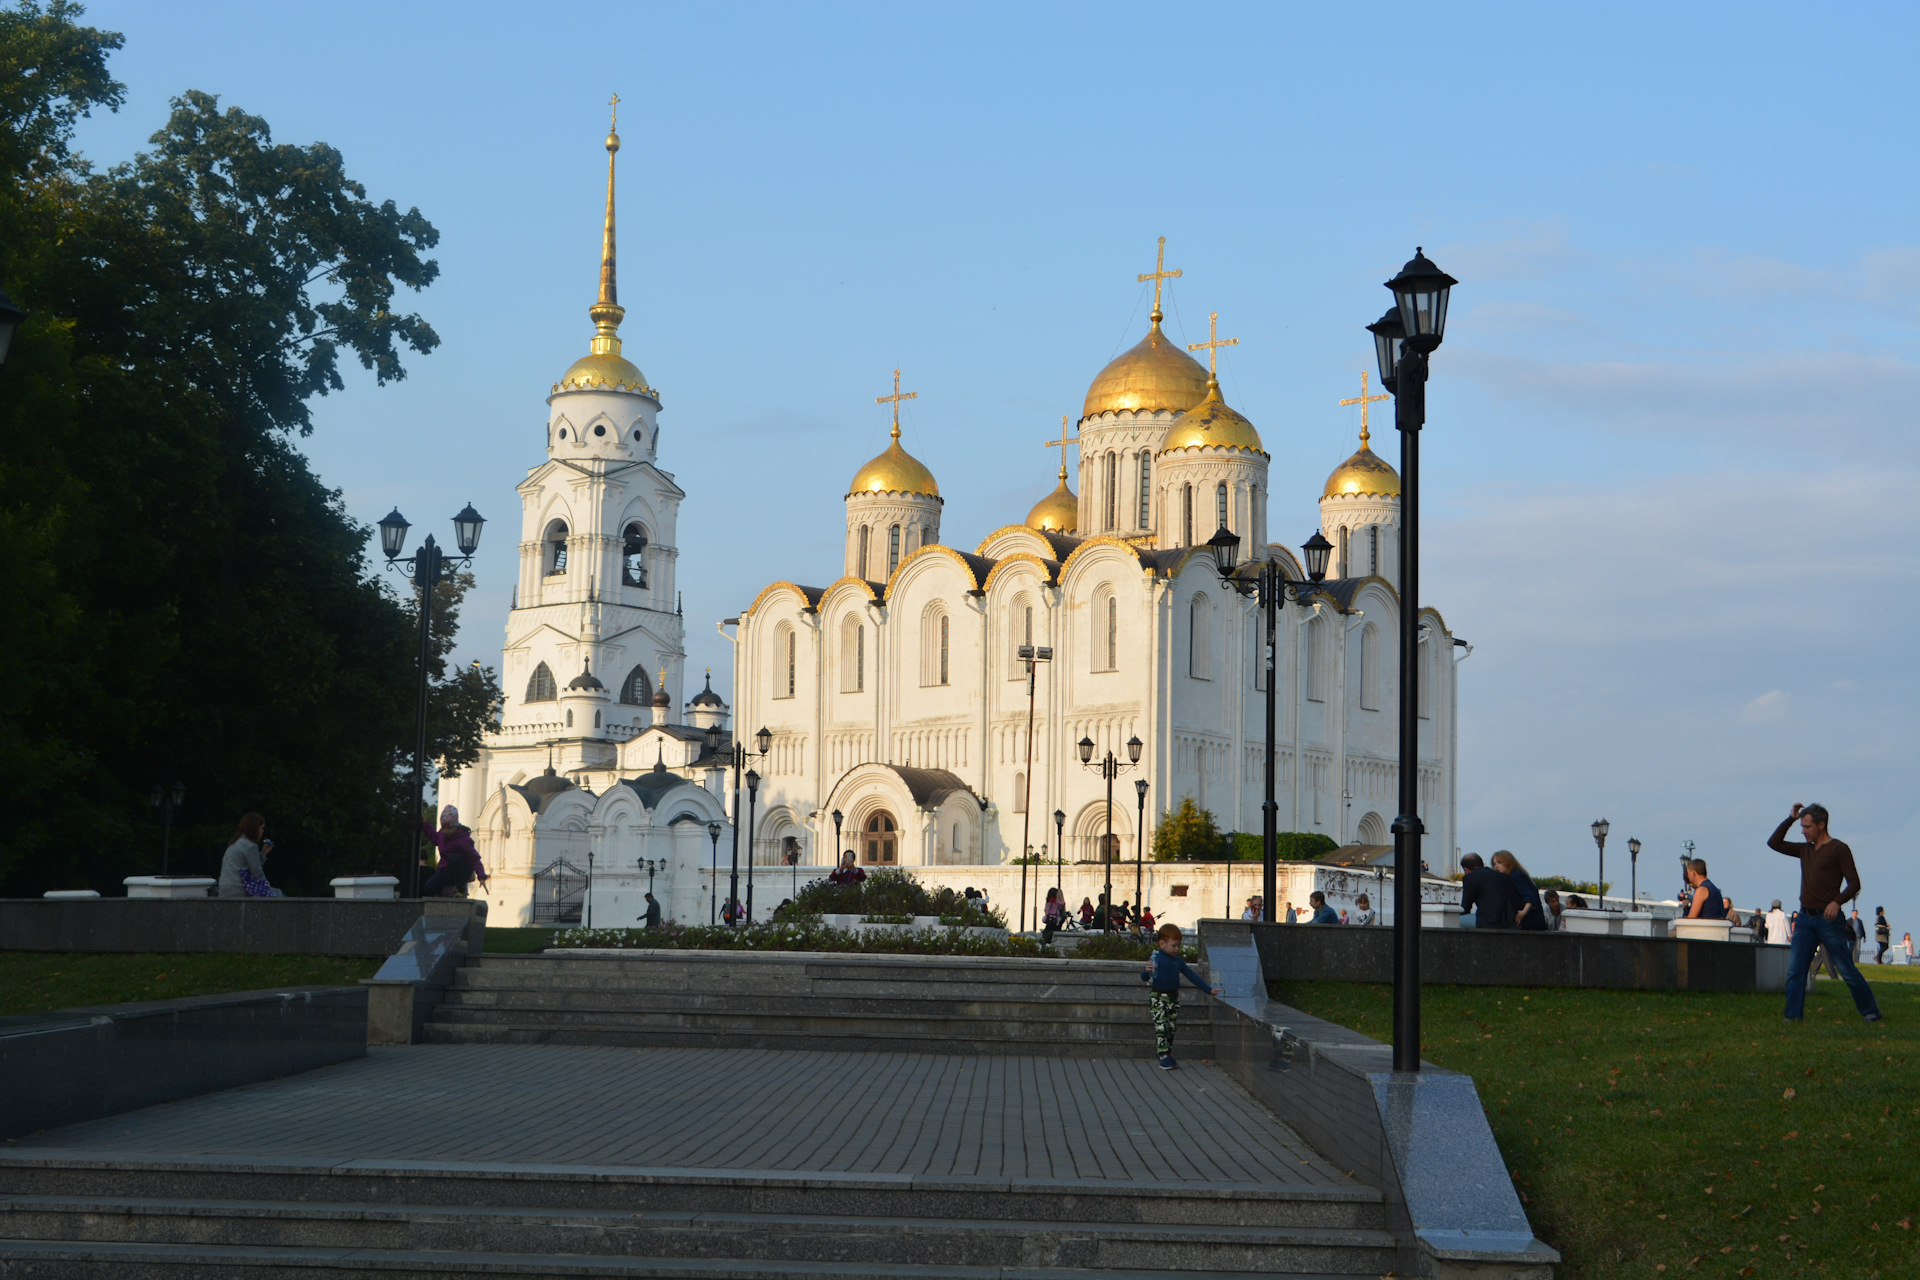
x=934 y=638
x=1220 y=505
x=1186 y=515
x=1373 y=548
x=1146 y=487
x=853 y=654
x=633 y=552
x=893 y=549
x=1370 y=667
x=1316 y=660
x=943 y=648
x=637 y=690
x=866 y=537
x=1102 y=614
x=556 y=548
x=1200 y=639
x=958 y=846
x=785 y=644
x=881 y=846
x=541 y=688
x=1019 y=632
x=1019 y=792
x=596 y=719
x=1110 y=487
x=1113 y=634
x=569 y=718
x=1340 y=552
x=1423 y=681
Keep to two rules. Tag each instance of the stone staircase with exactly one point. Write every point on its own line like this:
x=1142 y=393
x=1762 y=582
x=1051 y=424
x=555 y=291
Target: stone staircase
x=730 y=999
x=189 y=1220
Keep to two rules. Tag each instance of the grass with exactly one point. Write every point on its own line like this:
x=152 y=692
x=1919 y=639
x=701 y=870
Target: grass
x=1685 y=1133
x=38 y=981
x=516 y=942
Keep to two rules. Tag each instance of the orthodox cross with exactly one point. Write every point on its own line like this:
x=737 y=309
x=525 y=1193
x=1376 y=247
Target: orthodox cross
x=1363 y=400
x=1213 y=344
x=897 y=396
x=1065 y=440
x=614 y=102
x=1158 y=274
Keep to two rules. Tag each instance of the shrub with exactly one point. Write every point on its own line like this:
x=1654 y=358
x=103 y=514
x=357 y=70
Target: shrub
x=1122 y=946
x=798 y=933
x=893 y=895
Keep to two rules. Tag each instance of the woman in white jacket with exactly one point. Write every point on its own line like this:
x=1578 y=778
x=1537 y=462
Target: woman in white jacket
x=246 y=854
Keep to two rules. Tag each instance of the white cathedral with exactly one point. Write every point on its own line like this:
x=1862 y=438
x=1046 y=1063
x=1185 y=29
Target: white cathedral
x=894 y=699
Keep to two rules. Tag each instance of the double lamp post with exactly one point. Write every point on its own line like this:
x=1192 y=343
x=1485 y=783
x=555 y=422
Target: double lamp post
x=734 y=755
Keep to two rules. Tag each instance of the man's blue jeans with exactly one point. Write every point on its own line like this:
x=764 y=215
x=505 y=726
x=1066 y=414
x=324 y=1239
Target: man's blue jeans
x=1813 y=930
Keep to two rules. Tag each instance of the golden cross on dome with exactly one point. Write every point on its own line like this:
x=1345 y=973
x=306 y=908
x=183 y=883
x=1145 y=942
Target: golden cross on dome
x=1213 y=344
x=1363 y=400
x=897 y=396
x=614 y=102
x=1158 y=274
x=1064 y=440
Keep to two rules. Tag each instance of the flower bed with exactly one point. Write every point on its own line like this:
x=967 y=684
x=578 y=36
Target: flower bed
x=804 y=934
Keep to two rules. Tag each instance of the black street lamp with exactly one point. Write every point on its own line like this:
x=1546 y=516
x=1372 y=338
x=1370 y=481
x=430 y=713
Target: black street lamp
x=733 y=756
x=1403 y=341
x=1274 y=589
x=1600 y=828
x=713 y=905
x=652 y=866
x=426 y=567
x=1033 y=657
x=1633 y=881
x=1139 y=847
x=1110 y=768
x=10 y=318
x=838 y=818
x=1060 y=859
x=166 y=799
x=1686 y=860
x=763 y=740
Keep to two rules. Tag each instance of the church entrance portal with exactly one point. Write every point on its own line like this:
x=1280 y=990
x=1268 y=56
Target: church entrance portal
x=882 y=844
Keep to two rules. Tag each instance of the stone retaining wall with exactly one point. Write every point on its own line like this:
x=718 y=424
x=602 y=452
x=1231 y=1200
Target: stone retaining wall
x=262 y=926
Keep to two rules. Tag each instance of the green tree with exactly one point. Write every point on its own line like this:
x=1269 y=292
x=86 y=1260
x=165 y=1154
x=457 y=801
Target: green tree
x=1304 y=846
x=187 y=601
x=1187 y=834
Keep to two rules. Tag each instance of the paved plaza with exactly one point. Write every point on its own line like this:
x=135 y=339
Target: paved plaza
x=927 y=1115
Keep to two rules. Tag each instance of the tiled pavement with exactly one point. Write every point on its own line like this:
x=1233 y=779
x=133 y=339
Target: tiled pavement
x=736 y=1109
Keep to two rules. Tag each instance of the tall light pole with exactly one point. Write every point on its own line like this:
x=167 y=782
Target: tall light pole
x=1600 y=828
x=763 y=740
x=1403 y=340
x=1633 y=882
x=1060 y=859
x=425 y=567
x=1033 y=658
x=166 y=799
x=734 y=756
x=1686 y=860
x=713 y=906
x=1274 y=589
x=1110 y=768
x=1139 y=848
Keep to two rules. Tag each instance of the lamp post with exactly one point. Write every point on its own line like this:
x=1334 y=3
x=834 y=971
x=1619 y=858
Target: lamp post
x=713 y=906
x=166 y=799
x=1686 y=860
x=588 y=922
x=1060 y=859
x=763 y=740
x=734 y=757
x=652 y=866
x=1600 y=828
x=1110 y=768
x=10 y=318
x=426 y=567
x=1633 y=881
x=1033 y=658
x=1139 y=848
x=1273 y=589
x=1403 y=340
x=838 y=818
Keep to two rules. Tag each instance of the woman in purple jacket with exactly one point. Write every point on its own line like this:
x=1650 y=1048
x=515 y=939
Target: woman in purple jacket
x=460 y=862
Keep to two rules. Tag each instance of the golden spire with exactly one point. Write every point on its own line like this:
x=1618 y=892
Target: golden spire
x=607 y=311
x=1158 y=274
x=1363 y=400
x=1213 y=344
x=1066 y=438
x=897 y=396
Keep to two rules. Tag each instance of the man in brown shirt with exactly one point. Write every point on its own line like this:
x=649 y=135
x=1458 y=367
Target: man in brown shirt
x=1828 y=879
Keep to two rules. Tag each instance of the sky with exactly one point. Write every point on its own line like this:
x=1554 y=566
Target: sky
x=1671 y=473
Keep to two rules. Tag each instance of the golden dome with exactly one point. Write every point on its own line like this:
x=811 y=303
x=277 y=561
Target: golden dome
x=895 y=471
x=1058 y=512
x=1365 y=472
x=607 y=369
x=1212 y=424
x=1152 y=374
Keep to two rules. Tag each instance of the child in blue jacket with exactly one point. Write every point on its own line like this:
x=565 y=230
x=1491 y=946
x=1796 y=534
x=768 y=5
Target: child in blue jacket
x=1165 y=969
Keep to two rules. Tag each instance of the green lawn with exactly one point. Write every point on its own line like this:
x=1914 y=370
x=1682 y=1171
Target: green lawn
x=516 y=942
x=36 y=981
x=1667 y=1133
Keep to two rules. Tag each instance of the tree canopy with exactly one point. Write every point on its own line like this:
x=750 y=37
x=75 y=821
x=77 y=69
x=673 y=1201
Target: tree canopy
x=187 y=601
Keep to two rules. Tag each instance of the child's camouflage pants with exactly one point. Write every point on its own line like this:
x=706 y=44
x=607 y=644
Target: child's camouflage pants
x=1165 y=1007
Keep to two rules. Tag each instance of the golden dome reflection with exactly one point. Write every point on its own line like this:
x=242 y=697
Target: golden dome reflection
x=1365 y=472
x=1153 y=374
x=605 y=370
x=1212 y=424
x=1058 y=512
x=895 y=471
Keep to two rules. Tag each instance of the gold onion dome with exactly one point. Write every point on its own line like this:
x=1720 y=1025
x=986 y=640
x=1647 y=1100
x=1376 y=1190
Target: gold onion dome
x=1366 y=472
x=895 y=471
x=604 y=366
x=1152 y=374
x=1211 y=424
x=1058 y=512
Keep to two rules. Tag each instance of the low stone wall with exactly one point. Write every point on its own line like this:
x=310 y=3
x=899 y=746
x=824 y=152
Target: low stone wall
x=82 y=1064
x=1513 y=958
x=262 y=926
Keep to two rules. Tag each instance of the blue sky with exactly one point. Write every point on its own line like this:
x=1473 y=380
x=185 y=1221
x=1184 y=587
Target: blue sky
x=1672 y=476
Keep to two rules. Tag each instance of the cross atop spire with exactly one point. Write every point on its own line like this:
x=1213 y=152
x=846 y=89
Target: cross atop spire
x=1156 y=275
x=897 y=396
x=1212 y=346
x=614 y=102
x=1363 y=400
x=1064 y=440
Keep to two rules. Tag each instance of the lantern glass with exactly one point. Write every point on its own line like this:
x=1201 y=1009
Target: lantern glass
x=1059 y=819
x=1633 y=846
x=466 y=529
x=713 y=830
x=393 y=533
x=1225 y=546
x=713 y=739
x=1134 y=746
x=1086 y=751
x=179 y=794
x=159 y=794
x=765 y=739
x=753 y=783
x=1140 y=789
x=1388 y=335
x=1317 y=549
x=1421 y=289
x=1600 y=829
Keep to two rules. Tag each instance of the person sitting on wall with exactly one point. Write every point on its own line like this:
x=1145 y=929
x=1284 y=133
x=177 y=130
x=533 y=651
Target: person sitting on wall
x=1708 y=904
x=1489 y=894
x=1322 y=913
x=847 y=872
x=1532 y=912
x=460 y=863
x=1550 y=906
